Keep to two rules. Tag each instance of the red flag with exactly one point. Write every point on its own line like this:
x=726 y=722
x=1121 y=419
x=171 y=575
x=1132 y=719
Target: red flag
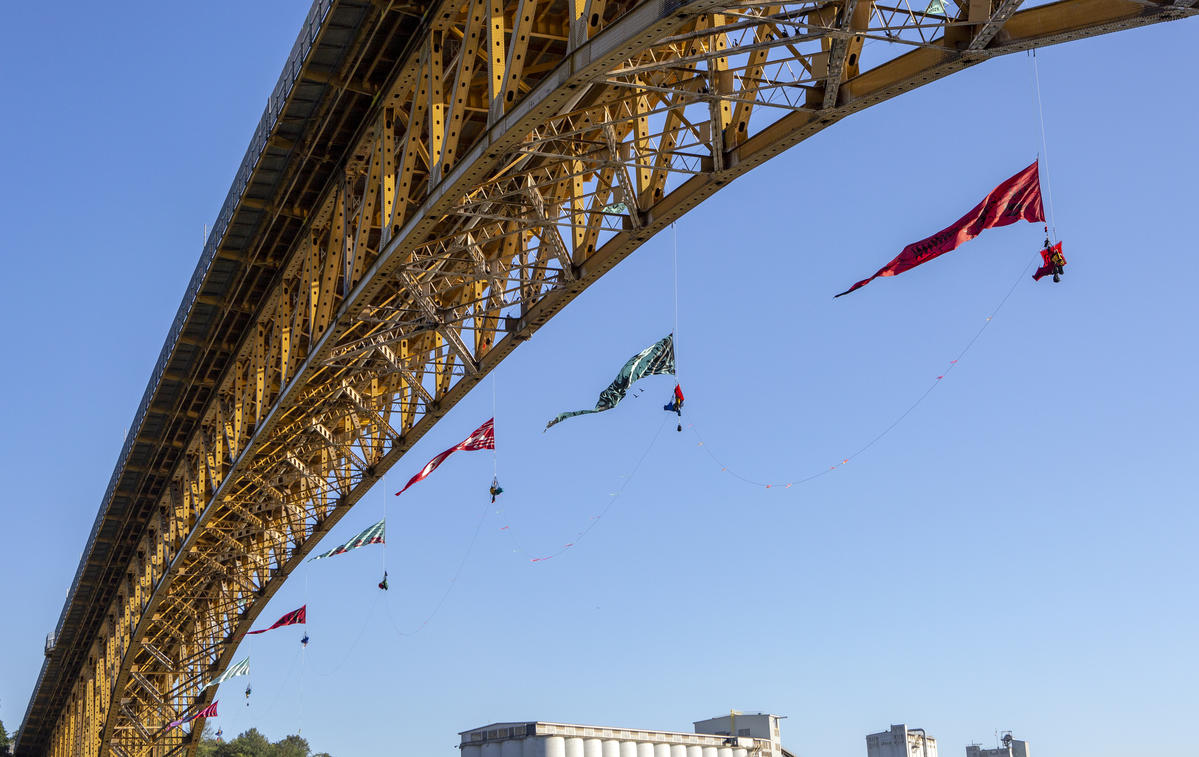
x=1017 y=199
x=290 y=619
x=207 y=712
x=1049 y=265
x=481 y=438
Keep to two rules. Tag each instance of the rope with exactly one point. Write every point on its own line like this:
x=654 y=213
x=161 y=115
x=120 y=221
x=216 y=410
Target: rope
x=383 y=488
x=303 y=679
x=1036 y=75
x=260 y=712
x=449 y=589
x=911 y=408
x=675 y=232
x=304 y=649
x=350 y=650
x=495 y=464
x=595 y=519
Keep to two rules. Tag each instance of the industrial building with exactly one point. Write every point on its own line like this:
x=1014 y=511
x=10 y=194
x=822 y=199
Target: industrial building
x=1010 y=748
x=756 y=725
x=901 y=741
x=727 y=736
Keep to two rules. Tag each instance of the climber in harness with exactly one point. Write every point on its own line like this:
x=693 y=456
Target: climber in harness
x=676 y=403
x=1052 y=262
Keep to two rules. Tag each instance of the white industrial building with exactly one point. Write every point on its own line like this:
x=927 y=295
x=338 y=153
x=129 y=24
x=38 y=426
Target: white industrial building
x=1011 y=748
x=901 y=741
x=756 y=736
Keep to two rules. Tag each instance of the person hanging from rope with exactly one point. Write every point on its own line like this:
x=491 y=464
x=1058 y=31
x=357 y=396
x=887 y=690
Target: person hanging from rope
x=1053 y=262
x=676 y=404
x=495 y=490
x=383 y=583
x=304 y=641
x=248 y=691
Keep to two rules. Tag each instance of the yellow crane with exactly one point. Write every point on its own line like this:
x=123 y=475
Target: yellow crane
x=733 y=722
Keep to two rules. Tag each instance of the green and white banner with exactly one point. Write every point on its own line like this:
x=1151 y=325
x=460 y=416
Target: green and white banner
x=658 y=358
x=236 y=669
x=372 y=535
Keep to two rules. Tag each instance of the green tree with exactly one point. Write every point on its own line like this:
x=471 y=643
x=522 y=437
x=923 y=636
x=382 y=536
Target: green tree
x=253 y=743
x=292 y=746
x=249 y=744
x=5 y=744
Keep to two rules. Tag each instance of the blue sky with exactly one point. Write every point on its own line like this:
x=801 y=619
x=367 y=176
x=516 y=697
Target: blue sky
x=1017 y=554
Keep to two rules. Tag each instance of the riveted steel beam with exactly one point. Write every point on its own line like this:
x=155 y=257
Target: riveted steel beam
x=480 y=198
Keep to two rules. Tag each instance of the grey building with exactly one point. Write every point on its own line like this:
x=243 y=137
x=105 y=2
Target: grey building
x=755 y=725
x=901 y=741
x=1010 y=748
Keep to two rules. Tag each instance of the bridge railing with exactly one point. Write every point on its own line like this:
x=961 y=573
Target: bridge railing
x=309 y=32
x=275 y=103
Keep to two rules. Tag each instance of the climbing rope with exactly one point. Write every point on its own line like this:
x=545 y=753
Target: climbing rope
x=449 y=589
x=787 y=484
x=1036 y=75
x=594 y=520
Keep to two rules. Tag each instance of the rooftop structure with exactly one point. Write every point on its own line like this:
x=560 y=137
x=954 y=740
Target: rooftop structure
x=1009 y=748
x=901 y=741
x=758 y=725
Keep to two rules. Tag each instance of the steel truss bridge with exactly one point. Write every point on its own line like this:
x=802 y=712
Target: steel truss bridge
x=429 y=184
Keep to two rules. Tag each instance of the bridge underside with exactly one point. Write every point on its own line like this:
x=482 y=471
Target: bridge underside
x=508 y=155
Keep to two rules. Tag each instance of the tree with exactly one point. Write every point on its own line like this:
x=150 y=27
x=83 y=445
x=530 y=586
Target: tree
x=5 y=744
x=292 y=746
x=253 y=743
x=249 y=744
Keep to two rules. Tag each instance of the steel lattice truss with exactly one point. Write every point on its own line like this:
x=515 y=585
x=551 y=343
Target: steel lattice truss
x=524 y=148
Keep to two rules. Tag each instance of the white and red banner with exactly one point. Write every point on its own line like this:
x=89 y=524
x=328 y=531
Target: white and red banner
x=290 y=619
x=481 y=438
x=207 y=712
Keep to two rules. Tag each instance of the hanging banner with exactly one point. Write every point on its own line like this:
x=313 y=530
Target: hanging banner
x=1017 y=199
x=290 y=619
x=372 y=535
x=207 y=712
x=236 y=669
x=656 y=359
x=481 y=438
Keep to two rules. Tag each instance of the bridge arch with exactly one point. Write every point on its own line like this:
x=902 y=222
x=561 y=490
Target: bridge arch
x=478 y=197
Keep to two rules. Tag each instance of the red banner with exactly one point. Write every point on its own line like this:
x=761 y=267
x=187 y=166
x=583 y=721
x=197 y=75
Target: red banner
x=207 y=712
x=481 y=438
x=1017 y=199
x=290 y=619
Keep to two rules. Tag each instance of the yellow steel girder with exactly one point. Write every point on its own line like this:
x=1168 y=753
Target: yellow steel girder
x=521 y=151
